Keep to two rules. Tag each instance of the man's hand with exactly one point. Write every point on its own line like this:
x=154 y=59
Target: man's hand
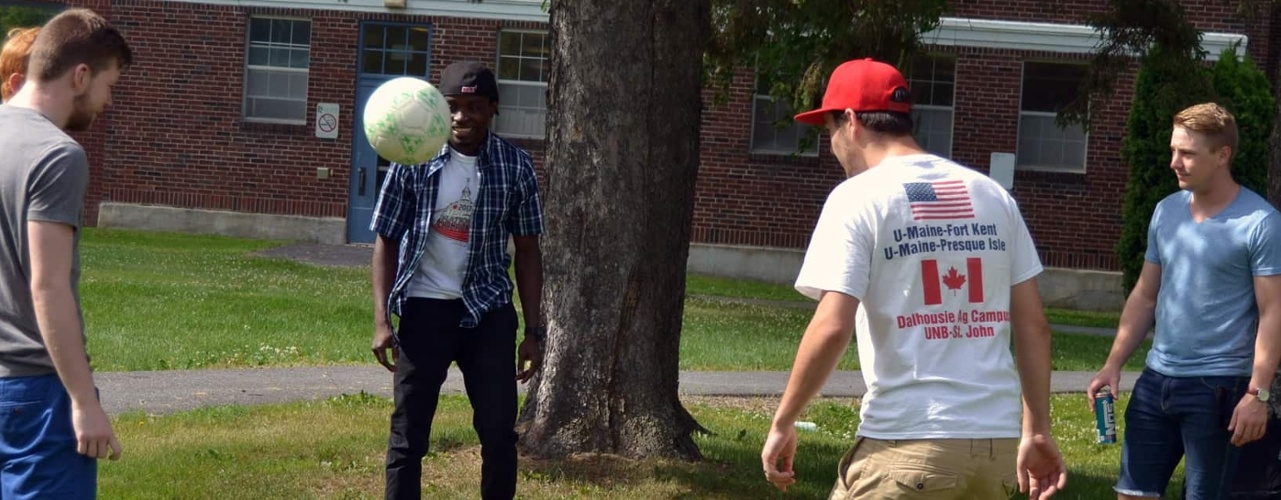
x=1249 y=420
x=383 y=341
x=777 y=456
x=94 y=437
x=529 y=359
x=1109 y=377
x=1040 y=467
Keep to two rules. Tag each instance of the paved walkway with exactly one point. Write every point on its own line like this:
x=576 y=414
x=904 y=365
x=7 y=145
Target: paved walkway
x=171 y=391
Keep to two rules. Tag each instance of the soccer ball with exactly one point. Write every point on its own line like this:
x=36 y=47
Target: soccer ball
x=407 y=120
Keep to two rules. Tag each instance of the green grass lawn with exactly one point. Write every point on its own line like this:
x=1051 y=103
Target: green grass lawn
x=334 y=449
x=156 y=301
x=722 y=287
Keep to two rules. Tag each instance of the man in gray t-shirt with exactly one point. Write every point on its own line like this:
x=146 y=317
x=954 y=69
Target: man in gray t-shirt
x=43 y=175
x=53 y=429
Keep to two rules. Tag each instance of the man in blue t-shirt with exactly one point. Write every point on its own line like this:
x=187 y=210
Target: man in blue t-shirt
x=1211 y=279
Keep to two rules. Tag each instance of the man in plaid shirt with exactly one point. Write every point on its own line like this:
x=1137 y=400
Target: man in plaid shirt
x=440 y=265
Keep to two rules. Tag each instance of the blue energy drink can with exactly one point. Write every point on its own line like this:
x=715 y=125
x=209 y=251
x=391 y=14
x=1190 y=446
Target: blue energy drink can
x=1105 y=416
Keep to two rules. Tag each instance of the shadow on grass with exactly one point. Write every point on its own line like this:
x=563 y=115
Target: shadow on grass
x=1092 y=485
x=732 y=470
x=728 y=470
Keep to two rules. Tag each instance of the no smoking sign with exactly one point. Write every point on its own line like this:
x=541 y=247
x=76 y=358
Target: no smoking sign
x=327 y=121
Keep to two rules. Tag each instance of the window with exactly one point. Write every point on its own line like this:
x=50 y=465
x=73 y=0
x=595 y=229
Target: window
x=276 y=70
x=523 y=69
x=933 y=84
x=773 y=129
x=395 y=50
x=1043 y=145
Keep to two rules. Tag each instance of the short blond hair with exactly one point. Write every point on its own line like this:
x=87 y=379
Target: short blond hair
x=14 y=56
x=1213 y=121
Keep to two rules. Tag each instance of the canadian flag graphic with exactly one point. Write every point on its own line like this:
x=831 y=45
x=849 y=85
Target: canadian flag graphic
x=934 y=281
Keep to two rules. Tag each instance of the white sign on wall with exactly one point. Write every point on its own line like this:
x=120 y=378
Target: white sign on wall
x=1001 y=169
x=327 y=120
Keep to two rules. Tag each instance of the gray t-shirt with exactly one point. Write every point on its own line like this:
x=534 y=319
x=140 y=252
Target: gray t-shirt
x=43 y=177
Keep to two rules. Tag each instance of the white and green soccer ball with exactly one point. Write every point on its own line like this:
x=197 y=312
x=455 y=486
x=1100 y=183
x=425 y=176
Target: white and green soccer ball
x=407 y=120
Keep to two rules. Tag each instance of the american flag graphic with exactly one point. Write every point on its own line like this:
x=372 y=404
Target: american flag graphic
x=939 y=200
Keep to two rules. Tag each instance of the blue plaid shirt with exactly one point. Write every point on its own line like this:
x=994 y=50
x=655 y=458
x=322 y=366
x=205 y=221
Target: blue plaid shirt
x=507 y=204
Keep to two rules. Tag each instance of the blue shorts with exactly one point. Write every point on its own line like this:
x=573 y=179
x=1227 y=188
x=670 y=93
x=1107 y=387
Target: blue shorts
x=1170 y=417
x=38 y=456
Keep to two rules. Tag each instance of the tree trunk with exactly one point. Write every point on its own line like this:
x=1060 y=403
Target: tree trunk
x=624 y=109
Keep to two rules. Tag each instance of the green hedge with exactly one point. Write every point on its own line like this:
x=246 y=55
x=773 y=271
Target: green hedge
x=1245 y=91
x=18 y=16
x=1163 y=88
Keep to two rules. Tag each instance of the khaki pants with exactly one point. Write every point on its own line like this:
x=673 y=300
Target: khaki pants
x=979 y=469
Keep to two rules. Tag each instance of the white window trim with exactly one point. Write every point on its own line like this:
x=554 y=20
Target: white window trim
x=244 y=78
x=751 y=138
x=544 y=109
x=951 y=125
x=1049 y=37
x=522 y=83
x=1085 y=153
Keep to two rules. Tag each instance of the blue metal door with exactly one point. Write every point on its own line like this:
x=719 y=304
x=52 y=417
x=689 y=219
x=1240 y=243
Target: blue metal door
x=387 y=50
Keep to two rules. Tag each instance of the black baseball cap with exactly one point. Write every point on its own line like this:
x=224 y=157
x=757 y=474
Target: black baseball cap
x=468 y=78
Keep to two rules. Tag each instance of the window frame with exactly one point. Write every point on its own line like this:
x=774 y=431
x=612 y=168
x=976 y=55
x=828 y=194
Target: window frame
x=951 y=125
x=361 y=59
x=800 y=129
x=248 y=68
x=1018 y=152
x=498 y=50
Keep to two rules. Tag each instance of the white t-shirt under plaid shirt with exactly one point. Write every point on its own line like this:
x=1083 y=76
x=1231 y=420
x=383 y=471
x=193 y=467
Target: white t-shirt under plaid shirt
x=506 y=204
x=930 y=249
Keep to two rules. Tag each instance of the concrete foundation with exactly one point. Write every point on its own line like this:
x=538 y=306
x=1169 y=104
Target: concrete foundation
x=326 y=230
x=1060 y=288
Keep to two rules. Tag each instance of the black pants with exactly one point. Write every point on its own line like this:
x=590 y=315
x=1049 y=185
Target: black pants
x=430 y=339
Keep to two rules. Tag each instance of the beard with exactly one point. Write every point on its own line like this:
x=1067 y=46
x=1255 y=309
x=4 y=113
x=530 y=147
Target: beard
x=82 y=115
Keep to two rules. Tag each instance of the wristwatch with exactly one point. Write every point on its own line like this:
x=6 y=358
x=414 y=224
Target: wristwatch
x=1262 y=394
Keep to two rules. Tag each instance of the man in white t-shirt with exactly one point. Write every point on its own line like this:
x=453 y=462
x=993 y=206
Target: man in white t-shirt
x=934 y=265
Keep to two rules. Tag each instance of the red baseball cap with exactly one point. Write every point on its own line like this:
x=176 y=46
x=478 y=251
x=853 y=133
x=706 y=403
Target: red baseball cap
x=862 y=85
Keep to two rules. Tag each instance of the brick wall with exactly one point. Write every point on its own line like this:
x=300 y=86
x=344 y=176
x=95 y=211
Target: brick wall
x=1075 y=218
x=774 y=201
x=743 y=198
x=176 y=136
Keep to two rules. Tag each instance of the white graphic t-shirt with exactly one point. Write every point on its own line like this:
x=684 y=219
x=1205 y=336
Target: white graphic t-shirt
x=444 y=262
x=930 y=249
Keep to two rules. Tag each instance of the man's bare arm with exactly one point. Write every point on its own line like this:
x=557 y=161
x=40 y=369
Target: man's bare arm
x=52 y=247
x=1032 y=347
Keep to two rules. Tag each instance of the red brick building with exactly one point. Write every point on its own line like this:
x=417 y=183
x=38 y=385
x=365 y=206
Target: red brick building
x=219 y=119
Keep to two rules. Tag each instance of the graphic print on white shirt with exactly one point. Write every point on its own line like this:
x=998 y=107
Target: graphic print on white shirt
x=443 y=266
x=454 y=222
x=930 y=249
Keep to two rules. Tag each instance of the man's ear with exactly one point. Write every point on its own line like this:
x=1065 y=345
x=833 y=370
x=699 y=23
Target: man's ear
x=856 y=127
x=15 y=82
x=81 y=77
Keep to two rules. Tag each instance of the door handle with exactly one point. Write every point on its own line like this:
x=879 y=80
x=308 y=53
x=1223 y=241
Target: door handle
x=360 y=184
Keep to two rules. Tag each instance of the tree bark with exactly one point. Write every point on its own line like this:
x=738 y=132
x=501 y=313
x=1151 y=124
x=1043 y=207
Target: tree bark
x=624 y=110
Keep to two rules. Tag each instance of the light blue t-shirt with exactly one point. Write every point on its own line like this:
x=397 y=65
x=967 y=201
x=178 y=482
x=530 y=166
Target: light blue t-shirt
x=1206 y=314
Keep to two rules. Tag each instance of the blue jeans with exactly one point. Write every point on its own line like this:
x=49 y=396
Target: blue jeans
x=38 y=456
x=1169 y=418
